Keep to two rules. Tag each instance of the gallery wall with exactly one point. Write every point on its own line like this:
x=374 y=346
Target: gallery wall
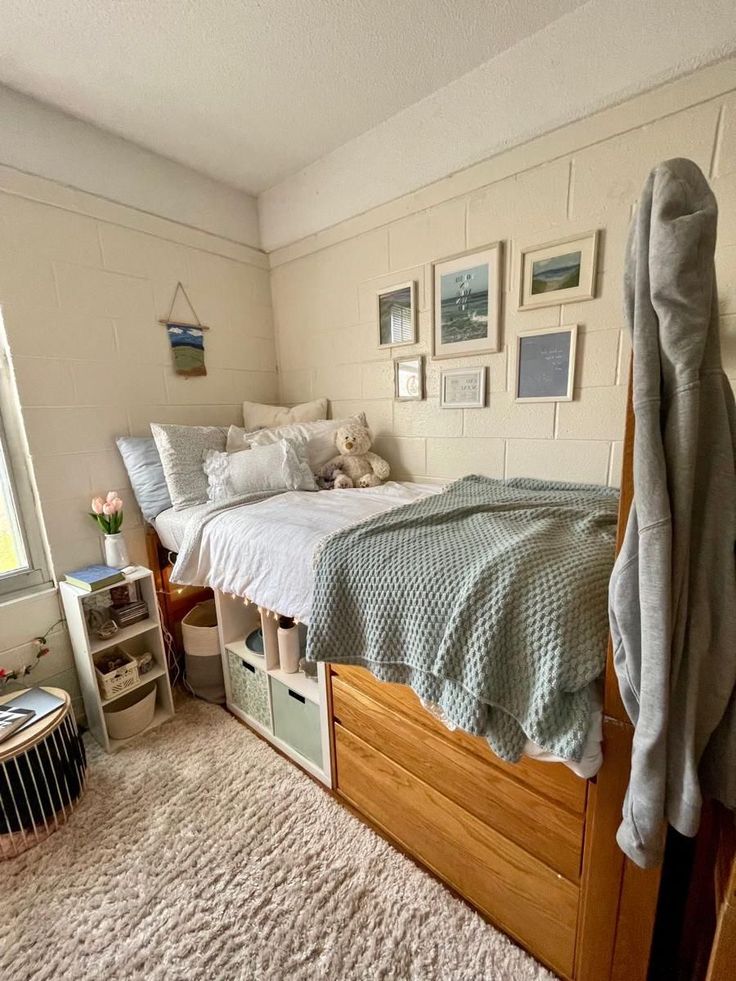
x=83 y=282
x=585 y=176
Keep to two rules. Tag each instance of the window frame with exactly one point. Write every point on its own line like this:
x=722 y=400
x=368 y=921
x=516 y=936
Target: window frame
x=13 y=446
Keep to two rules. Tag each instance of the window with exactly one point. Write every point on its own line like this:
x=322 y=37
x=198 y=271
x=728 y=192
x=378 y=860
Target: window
x=22 y=556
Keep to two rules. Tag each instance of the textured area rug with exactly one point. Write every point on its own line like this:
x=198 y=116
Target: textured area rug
x=198 y=852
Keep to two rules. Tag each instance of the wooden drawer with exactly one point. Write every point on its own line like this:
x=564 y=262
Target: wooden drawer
x=552 y=780
x=540 y=826
x=517 y=891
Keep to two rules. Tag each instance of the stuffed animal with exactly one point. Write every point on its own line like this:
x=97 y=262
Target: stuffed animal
x=355 y=466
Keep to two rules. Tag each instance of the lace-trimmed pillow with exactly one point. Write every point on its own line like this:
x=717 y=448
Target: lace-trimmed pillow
x=318 y=437
x=277 y=466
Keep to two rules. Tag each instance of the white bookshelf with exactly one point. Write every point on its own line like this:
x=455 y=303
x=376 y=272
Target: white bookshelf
x=139 y=637
x=235 y=621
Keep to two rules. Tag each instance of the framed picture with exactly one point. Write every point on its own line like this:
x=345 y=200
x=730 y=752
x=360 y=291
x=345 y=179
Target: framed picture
x=467 y=304
x=545 y=364
x=409 y=379
x=397 y=315
x=463 y=388
x=560 y=272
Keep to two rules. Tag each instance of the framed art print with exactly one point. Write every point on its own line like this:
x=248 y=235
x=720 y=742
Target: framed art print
x=467 y=304
x=463 y=388
x=559 y=272
x=397 y=315
x=545 y=364
x=409 y=379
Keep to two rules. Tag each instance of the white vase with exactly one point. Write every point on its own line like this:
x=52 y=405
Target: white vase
x=116 y=551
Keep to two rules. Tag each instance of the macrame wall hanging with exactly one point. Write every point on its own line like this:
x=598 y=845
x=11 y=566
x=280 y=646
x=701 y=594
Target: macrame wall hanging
x=187 y=340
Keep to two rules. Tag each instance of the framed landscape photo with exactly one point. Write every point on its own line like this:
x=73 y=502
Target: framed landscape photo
x=409 y=379
x=467 y=304
x=463 y=388
x=559 y=272
x=397 y=315
x=545 y=364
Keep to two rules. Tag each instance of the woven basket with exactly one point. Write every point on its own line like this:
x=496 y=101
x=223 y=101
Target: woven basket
x=115 y=682
x=199 y=630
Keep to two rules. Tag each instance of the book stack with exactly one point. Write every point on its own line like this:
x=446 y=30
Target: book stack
x=94 y=577
x=129 y=613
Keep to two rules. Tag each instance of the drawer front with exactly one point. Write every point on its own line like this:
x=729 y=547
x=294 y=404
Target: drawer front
x=519 y=893
x=296 y=721
x=249 y=690
x=552 y=780
x=540 y=826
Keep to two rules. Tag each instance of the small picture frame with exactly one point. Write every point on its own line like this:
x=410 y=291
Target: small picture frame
x=467 y=304
x=409 y=379
x=545 y=364
x=463 y=388
x=558 y=272
x=396 y=313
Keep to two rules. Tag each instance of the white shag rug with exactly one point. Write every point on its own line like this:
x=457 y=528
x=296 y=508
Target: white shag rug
x=199 y=853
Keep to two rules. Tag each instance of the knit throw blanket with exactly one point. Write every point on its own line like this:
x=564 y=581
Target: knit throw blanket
x=489 y=600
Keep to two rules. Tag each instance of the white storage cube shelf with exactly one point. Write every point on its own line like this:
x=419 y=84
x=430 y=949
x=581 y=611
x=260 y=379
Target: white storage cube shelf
x=139 y=638
x=289 y=710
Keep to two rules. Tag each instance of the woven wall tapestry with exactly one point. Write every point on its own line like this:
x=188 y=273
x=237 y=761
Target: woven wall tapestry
x=187 y=340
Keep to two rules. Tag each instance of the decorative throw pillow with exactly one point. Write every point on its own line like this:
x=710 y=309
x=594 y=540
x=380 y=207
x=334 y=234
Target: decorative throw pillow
x=182 y=450
x=258 y=416
x=274 y=467
x=319 y=437
x=146 y=474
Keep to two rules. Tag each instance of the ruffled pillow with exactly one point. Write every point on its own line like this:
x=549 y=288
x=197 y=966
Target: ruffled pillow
x=318 y=437
x=278 y=466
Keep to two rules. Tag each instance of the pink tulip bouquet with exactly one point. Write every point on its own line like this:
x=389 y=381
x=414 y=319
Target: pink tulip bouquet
x=108 y=512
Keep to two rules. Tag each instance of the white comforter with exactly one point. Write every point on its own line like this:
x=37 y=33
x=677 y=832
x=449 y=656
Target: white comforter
x=264 y=551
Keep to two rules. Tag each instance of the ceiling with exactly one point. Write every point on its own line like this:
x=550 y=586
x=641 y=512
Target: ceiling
x=252 y=91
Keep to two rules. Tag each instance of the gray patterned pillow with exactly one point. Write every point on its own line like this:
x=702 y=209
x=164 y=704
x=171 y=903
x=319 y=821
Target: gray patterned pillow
x=182 y=450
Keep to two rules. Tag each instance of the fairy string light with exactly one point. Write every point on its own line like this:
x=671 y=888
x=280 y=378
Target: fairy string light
x=42 y=649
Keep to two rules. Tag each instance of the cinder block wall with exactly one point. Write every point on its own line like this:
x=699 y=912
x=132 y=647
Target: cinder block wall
x=82 y=284
x=585 y=176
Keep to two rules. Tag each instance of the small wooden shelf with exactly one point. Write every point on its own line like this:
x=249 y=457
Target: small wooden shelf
x=142 y=627
x=75 y=602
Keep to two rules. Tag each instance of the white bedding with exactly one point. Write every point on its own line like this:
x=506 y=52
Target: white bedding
x=265 y=552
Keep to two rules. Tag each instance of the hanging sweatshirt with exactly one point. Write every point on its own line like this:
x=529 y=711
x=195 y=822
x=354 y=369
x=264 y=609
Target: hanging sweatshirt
x=673 y=589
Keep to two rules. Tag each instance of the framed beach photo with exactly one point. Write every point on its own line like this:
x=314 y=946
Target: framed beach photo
x=409 y=379
x=463 y=388
x=397 y=315
x=559 y=272
x=545 y=364
x=467 y=304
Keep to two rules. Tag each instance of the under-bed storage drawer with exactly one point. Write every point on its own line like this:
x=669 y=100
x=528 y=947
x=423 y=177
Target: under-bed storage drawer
x=249 y=690
x=552 y=780
x=540 y=826
x=521 y=894
x=296 y=721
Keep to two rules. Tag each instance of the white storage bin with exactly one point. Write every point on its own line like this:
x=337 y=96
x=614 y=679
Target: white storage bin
x=131 y=713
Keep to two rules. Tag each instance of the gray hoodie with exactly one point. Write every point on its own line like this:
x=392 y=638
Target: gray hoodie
x=673 y=589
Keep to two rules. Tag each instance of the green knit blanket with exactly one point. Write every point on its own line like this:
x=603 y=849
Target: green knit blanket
x=489 y=600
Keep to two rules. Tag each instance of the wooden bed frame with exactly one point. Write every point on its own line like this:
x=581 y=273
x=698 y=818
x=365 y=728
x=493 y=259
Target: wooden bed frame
x=531 y=846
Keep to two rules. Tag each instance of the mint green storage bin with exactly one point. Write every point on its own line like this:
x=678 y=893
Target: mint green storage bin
x=249 y=690
x=296 y=721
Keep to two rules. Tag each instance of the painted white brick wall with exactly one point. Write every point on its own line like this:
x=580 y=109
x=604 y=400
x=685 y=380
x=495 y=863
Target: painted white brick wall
x=82 y=284
x=324 y=294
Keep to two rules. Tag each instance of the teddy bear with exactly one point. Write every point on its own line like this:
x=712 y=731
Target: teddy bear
x=355 y=465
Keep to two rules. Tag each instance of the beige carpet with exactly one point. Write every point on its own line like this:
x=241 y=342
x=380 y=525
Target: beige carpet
x=198 y=852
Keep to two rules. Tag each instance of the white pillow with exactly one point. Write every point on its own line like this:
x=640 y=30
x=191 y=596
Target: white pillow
x=278 y=466
x=319 y=437
x=258 y=416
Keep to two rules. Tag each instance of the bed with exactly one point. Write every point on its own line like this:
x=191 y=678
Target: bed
x=530 y=845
